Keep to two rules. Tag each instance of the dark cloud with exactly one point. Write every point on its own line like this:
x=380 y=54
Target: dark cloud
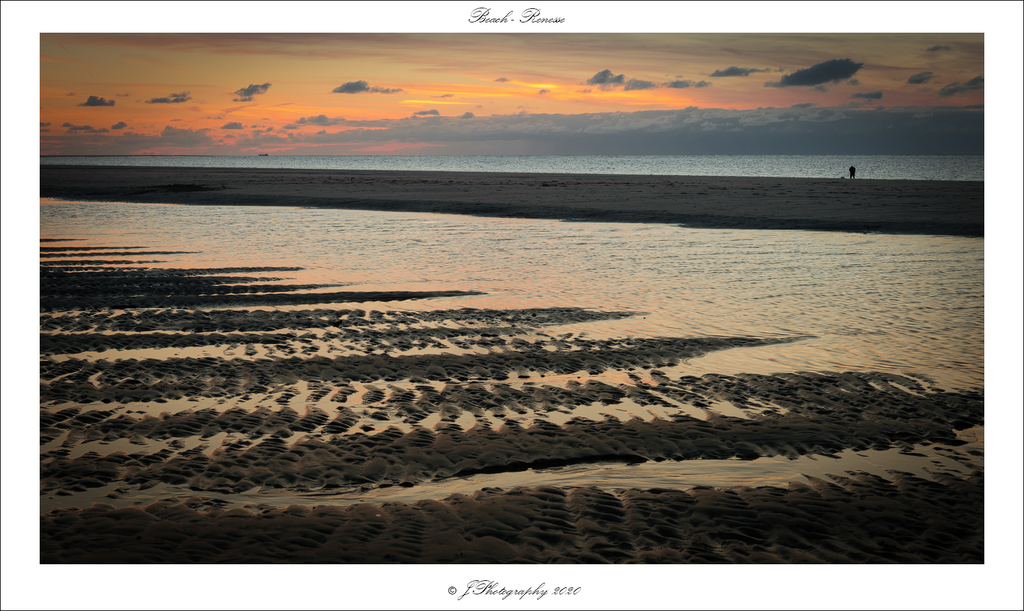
x=245 y=94
x=96 y=101
x=122 y=95
x=41 y=124
x=70 y=94
x=871 y=95
x=184 y=137
x=501 y=79
x=427 y=113
x=543 y=91
x=921 y=78
x=737 y=71
x=685 y=84
x=232 y=125
x=952 y=89
x=445 y=95
x=821 y=88
x=804 y=105
x=584 y=90
x=939 y=48
x=831 y=71
x=119 y=125
x=606 y=78
x=636 y=84
x=85 y=129
x=322 y=120
x=172 y=98
x=362 y=87
x=466 y=115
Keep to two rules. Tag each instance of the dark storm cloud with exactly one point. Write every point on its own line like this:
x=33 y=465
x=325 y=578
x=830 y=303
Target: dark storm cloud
x=939 y=48
x=245 y=94
x=606 y=78
x=96 y=101
x=952 y=89
x=362 y=87
x=172 y=98
x=119 y=125
x=85 y=129
x=427 y=113
x=737 y=71
x=636 y=84
x=831 y=71
x=232 y=125
x=685 y=84
x=466 y=115
x=41 y=124
x=921 y=78
x=872 y=95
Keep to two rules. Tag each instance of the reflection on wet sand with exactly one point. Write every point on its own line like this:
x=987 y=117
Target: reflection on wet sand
x=784 y=386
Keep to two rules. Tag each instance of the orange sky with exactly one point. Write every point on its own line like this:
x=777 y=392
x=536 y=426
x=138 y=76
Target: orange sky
x=185 y=93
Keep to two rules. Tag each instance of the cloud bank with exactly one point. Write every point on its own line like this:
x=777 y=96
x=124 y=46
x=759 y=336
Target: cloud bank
x=801 y=129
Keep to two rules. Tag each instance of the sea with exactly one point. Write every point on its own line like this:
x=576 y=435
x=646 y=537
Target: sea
x=885 y=167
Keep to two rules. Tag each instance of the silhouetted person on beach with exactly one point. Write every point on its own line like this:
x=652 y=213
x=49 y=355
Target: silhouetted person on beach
x=853 y=171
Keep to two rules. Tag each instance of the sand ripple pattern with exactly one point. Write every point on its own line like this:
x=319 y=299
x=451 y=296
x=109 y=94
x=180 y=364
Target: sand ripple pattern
x=173 y=422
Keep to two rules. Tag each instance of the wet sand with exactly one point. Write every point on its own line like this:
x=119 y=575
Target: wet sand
x=276 y=452
x=861 y=205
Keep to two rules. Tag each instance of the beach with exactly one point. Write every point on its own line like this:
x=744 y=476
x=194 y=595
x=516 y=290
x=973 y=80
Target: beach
x=858 y=205
x=242 y=408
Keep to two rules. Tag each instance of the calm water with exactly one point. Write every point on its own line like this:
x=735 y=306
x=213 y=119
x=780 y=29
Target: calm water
x=890 y=167
x=911 y=304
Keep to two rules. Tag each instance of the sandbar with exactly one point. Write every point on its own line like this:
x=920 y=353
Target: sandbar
x=919 y=207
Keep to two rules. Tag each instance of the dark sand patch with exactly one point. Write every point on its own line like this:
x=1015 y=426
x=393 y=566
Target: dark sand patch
x=57 y=255
x=77 y=248
x=259 y=320
x=854 y=518
x=236 y=300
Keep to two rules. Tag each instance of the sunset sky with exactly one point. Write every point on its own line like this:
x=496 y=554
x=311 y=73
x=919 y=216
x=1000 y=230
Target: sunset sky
x=505 y=91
